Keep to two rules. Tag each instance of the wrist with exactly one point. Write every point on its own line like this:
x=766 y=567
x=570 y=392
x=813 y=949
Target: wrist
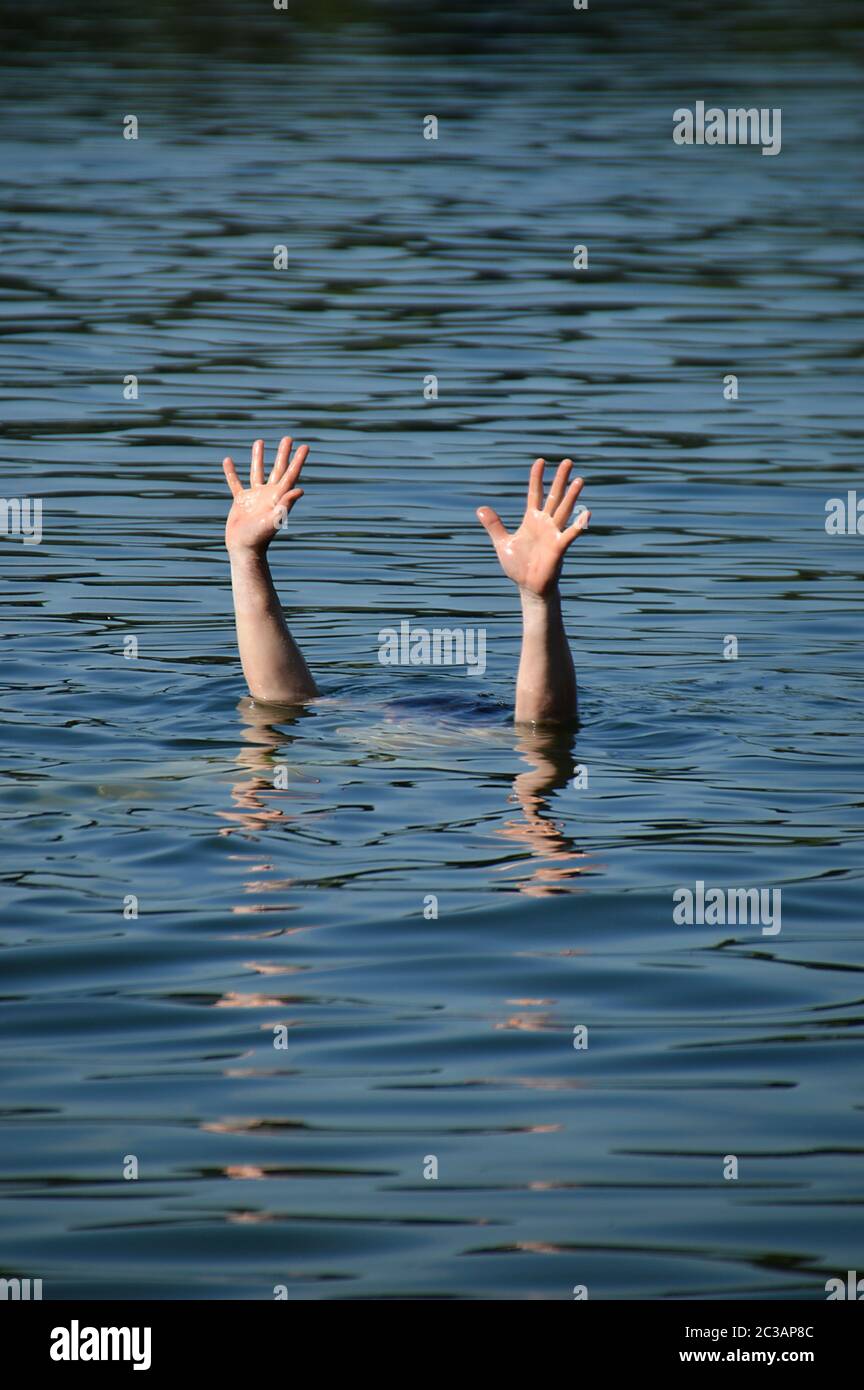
x=547 y=602
x=245 y=553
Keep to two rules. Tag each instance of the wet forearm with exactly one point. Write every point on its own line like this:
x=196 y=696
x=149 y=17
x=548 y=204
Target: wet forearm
x=546 y=683
x=273 y=664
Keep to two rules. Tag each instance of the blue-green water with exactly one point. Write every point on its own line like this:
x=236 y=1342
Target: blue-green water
x=281 y=862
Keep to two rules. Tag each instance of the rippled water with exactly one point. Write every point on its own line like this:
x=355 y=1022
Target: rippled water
x=303 y=904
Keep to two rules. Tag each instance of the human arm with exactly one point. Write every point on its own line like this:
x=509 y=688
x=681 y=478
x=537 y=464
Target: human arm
x=273 y=664
x=532 y=557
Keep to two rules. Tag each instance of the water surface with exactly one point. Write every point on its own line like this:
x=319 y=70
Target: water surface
x=298 y=899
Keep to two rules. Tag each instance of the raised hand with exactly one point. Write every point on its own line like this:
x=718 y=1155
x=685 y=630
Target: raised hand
x=533 y=555
x=273 y=664
x=259 y=511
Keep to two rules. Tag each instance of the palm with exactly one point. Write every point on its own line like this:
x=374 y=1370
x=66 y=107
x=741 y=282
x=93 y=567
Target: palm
x=259 y=511
x=533 y=555
x=254 y=516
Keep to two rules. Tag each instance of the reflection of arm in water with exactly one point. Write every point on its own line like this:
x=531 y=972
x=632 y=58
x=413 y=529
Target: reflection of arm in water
x=532 y=557
x=265 y=744
x=556 y=860
x=272 y=662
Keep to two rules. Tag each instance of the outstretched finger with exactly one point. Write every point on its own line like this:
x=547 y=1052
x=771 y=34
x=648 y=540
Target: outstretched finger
x=281 y=463
x=231 y=477
x=561 y=515
x=288 y=499
x=256 y=472
x=493 y=524
x=579 y=525
x=535 y=484
x=556 y=491
x=283 y=505
x=300 y=456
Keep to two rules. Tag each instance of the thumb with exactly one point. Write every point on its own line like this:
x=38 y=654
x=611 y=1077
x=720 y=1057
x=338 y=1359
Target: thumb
x=493 y=524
